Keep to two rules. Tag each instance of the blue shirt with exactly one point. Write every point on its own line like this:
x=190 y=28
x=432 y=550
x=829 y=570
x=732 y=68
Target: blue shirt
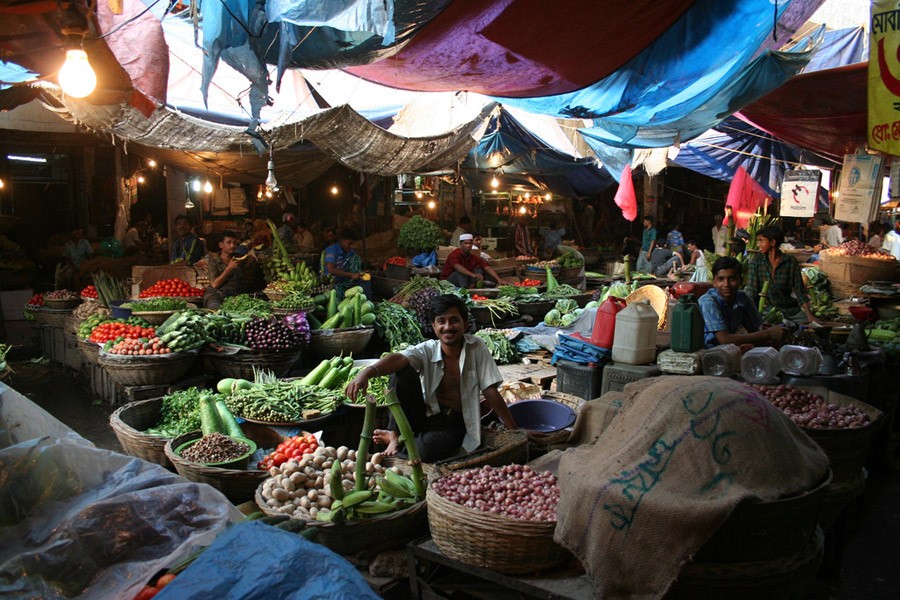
x=717 y=316
x=552 y=237
x=188 y=248
x=675 y=239
x=335 y=254
x=647 y=238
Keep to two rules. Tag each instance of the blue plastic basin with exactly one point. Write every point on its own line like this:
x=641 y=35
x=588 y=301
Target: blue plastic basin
x=542 y=415
x=117 y=311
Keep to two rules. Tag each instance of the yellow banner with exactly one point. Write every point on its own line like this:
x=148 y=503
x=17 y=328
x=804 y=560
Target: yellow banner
x=884 y=77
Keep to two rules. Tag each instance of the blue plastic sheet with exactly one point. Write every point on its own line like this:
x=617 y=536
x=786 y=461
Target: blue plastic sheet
x=254 y=561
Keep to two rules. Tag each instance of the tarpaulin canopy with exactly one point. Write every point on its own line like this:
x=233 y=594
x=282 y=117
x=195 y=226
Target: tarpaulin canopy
x=520 y=157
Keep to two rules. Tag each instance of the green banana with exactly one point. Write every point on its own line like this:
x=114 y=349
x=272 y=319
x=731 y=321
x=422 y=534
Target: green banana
x=337 y=489
x=375 y=508
x=352 y=499
x=392 y=489
x=401 y=480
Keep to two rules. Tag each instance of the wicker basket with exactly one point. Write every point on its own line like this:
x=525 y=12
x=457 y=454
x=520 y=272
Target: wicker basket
x=89 y=350
x=340 y=341
x=491 y=541
x=561 y=436
x=62 y=304
x=498 y=448
x=485 y=318
x=283 y=312
x=158 y=317
x=842 y=289
x=857 y=269
x=238 y=485
x=388 y=531
x=569 y=273
x=240 y=365
x=128 y=423
x=53 y=317
x=274 y=296
x=148 y=370
x=538 y=310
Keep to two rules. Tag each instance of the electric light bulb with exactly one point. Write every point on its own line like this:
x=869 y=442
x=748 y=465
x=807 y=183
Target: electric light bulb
x=432 y=204
x=271 y=182
x=151 y=163
x=140 y=179
x=522 y=210
x=527 y=195
x=195 y=185
x=207 y=187
x=495 y=182
x=189 y=204
x=259 y=194
x=334 y=190
x=2 y=184
x=76 y=77
x=548 y=196
x=268 y=193
x=419 y=195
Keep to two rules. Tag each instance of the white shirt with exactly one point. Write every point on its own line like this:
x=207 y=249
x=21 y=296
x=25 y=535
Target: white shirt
x=132 y=237
x=875 y=241
x=892 y=243
x=719 y=235
x=478 y=371
x=833 y=236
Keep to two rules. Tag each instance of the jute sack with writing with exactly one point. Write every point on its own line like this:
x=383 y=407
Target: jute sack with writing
x=667 y=472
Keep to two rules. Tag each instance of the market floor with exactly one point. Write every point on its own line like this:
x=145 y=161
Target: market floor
x=868 y=570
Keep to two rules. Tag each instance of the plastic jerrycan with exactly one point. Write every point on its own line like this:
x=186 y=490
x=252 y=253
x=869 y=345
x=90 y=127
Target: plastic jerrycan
x=635 y=336
x=604 y=329
x=687 y=325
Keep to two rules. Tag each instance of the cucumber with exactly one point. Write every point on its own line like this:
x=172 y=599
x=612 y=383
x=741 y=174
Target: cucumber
x=332 y=304
x=320 y=299
x=316 y=375
x=243 y=385
x=224 y=386
x=333 y=323
x=332 y=379
x=209 y=417
x=229 y=424
x=314 y=323
x=367 y=319
x=354 y=291
x=367 y=307
x=347 y=319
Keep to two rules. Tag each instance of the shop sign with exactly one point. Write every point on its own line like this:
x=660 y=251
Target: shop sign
x=799 y=190
x=860 y=188
x=884 y=77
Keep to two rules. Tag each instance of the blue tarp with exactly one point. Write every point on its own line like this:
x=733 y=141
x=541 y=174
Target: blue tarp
x=840 y=47
x=521 y=157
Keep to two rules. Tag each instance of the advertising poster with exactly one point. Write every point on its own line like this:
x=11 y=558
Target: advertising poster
x=860 y=188
x=884 y=77
x=798 y=193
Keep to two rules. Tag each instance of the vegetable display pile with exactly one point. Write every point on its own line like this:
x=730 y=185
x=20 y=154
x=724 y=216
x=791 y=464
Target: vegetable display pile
x=546 y=264
x=397 y=326
x=281 y=401
x=562 y=291
x=420 y=235
x=525 y=258
x=353 y=311
x=819 y=295
x=563 y=314
x=500 y=308
x=215 y=448
x=184 y=331
x=513 y=291
x=89 y=292
x=295 y=301
x=294 y=447
x=886 y=335
x=420 y=304
x=298 y=323
x=226 y=329
x=281 y=268
x=811 y=410
x=175 y=288
x=150 y=591
x=502 y=350
x=156 y=305
x=616 y=290
x=529 y=283
x=36 y=301
x=570 y=261
x=88 y=309
x=271 y=334
x=394 y=260
x=180 y=413
x=377 y=387
x=855 y=247
x=109 y=288
x=145 y=346
x=417 y=284
x=61 y=295
x=246 y=305
x=513 y=491
x=111 y=330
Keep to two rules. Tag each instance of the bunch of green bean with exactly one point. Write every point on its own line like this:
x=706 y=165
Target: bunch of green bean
x=377 y=387
x=283 y=401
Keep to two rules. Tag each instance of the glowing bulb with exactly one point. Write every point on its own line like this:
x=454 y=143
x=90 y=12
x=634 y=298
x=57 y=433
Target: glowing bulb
x=207 y=187
x=334 y=190
x=432 y=204
x=527 y=195
x=259 y=194
x=189 y=204
x=151 y=163
x=495 y=182
x=522 y=210
x=548 y=196
x=195 y=185
x=271 y=182
x=2 y=184
x=76 y=77
x=419 y=195
x=140 y=179
x=268 y=193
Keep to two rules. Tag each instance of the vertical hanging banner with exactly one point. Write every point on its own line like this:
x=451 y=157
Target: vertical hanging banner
x=860 y=188
x=884 y=77
x=895 y=180
x=799 y=190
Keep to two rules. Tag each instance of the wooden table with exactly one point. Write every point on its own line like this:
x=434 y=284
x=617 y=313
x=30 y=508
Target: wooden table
x=537 y=374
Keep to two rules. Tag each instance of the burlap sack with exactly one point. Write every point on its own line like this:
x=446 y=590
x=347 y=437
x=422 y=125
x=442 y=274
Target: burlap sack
x=666 y=474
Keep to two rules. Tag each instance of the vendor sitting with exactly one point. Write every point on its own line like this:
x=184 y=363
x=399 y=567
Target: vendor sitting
x=342 y=262
x=466 y=269
x=232 y=271
x=729 y=315
x=455 y=369
x=663 y=260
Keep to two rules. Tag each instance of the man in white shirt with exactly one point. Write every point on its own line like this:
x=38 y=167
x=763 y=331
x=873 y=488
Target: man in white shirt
x=892 y=240
x=875 y=241
x=719 y=236
x=833 y=235
x=455 y=369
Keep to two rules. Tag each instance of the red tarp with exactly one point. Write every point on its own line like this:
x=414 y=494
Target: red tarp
x=524 y=48
x=745 y=197
x=824 y=111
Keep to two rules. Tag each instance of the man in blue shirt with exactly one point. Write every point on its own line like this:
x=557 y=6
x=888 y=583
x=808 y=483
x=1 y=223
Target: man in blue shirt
x=729 y=315
x=188 y=247
x=342 y=262
x=648 y=242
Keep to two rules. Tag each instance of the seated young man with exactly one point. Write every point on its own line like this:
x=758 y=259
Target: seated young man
x=729 y=315
x=455 y=370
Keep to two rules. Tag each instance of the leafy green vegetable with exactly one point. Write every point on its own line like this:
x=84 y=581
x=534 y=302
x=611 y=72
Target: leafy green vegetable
x=245 y=304
x=180 y=412
x=420 y=235
x=502 y=350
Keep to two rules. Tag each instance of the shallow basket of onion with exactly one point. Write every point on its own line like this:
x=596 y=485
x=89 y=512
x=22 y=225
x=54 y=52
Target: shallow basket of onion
x=493 y=541
x=238 y=485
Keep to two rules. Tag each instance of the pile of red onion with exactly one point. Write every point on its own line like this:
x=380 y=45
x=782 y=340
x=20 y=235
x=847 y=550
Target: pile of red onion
x=855 y=247
x=512 y=491
x=810 y=410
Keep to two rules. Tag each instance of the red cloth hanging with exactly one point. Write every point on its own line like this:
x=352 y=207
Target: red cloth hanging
x=625 y=198
x=745 y=196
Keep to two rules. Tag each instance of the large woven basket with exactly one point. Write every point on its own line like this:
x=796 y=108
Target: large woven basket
x=158 y=317
x=238 y=485
x=384 y=532
x=54 y=317
x=128 y=423
x=498 y=448
x=492 y=541
x=274 y=296
x=89 y=350
x=561 y=436
x=538 y=310
x=62 y=304
x=326 y=343
x=241 y=364
x=856 y=269
x=148 y=370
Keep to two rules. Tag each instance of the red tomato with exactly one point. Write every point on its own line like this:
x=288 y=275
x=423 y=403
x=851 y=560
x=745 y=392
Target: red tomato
x=146 y=593
x=278 y=459
x=164 y=581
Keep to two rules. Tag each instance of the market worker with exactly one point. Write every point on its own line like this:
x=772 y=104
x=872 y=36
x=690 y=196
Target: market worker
x=342 y=262
x=729 y=315
x=232 y=271
x=876 y=230
x=303 y=238
x=77 y=249
x=188 y=247
x=833 y=234
x=719 y=235
x=465 y=226
x=663 y=260
x=675 y=240
x=477 y=244
x=892 y=240
x=648 y=242
x=442 y=407
x=786 y=290
x=552 y=238
x=286 y=231
x=465 y=268
x=134 y=236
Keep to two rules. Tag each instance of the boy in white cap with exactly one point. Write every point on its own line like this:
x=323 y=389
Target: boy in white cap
x=466 y=269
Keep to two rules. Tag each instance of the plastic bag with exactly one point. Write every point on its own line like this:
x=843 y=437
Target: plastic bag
x=425 y=259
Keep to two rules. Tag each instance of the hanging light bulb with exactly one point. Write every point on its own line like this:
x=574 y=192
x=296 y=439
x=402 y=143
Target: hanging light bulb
x=495 y=183
x=432 y=204
x=140 y=179
x=2 y=184
x=76 y=77
x=268 y=193
x=151 y=163
x=419 y=194
x=195 y=185
x=271 y=182
x=527 y=195
x=189 y=204
x=334 y=190
x=522 y=210
x=207 y=187
x=548 y=196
